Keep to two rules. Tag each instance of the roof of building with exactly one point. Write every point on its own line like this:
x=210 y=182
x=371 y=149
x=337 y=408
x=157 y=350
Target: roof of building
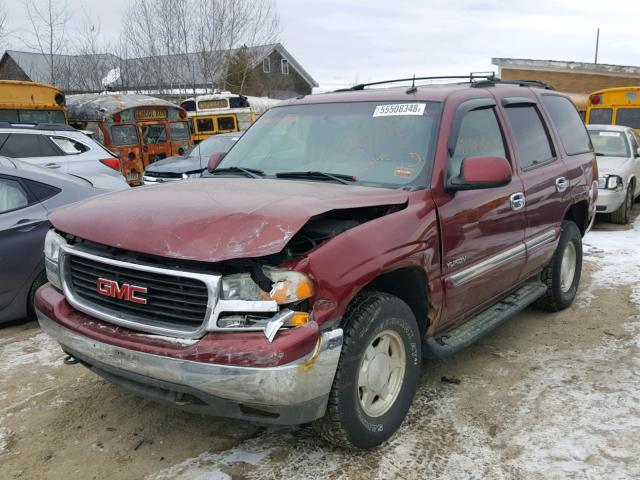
x=559 y=65
x=171 y=71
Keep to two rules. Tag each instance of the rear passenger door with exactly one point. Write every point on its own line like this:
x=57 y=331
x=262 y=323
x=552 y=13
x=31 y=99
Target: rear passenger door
x=33 y=148
x=482 y=230
x=544 y=178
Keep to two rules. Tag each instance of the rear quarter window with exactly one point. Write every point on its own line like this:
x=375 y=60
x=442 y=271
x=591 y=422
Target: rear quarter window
x=565 y=117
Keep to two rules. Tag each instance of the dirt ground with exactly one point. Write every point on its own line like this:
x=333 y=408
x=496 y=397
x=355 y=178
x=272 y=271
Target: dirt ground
x=545 y=396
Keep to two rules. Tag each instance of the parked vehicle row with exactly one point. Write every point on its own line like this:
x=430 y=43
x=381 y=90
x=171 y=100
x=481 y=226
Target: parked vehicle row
x=344 y=238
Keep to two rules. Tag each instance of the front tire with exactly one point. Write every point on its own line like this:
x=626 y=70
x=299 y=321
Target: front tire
x=40 y=280
x=562 y=274
x=623 y=214
x=378 y=372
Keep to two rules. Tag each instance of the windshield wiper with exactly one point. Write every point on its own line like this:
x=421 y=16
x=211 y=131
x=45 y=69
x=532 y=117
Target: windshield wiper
x=249 y=172
x=336 y=177
x=598 y=154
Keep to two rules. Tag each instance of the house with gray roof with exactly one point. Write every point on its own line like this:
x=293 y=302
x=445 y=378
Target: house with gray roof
x=273 y=71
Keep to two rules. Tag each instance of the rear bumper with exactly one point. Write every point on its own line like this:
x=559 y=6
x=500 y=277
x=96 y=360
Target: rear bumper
x=292 y=393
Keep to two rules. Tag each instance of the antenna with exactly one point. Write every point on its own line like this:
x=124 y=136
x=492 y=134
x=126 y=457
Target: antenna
x=597 y=44
x=413 y=88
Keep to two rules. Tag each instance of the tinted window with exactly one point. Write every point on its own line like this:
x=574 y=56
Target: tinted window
x=226 y=123
x=629 y=117
x=479 y=135
x=531 y=137
x=12 y=195
x=238 y=102
x=573 y=133
x=601 y=116
x=124 y=135
x=205 y=124
x=179 y=131
x=41 y=191
x=22 y=145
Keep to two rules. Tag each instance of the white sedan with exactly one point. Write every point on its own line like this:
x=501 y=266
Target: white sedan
x=618 y=153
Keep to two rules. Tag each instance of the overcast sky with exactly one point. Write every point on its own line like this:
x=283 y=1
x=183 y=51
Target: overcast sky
x=340 y=42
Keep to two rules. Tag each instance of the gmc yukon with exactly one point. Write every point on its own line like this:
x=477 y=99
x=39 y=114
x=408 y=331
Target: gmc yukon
x=345 y=238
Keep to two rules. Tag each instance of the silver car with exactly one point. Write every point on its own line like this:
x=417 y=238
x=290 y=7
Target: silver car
x=64 y=149
x=618 y=154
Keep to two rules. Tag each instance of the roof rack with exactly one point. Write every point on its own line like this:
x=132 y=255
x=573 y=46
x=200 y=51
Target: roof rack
x=58 y=127
x=472 y=77
x=520 y=83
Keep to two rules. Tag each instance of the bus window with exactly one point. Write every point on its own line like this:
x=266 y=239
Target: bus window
x=205 y=124
x=600 y=116
x=32 y=116
x=154 y=133
x=629 y=117
x=124 y=135
x=179 y=131
x=226 y=123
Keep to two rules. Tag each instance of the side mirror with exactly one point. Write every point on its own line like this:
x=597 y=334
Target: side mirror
x=637 y=152
x=481 y=172
x=214 y=160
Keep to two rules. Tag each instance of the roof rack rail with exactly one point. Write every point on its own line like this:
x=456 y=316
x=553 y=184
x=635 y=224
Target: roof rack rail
x=520 y=83
x=58 y=127
x=472 y=77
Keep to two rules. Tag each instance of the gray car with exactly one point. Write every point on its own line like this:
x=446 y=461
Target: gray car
x=192 y=163
x=64 y=149
x=618 y=154
x=27 y=194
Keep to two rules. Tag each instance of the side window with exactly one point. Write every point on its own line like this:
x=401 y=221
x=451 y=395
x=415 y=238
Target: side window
x=204 y=124
x=41 y=191
x=532 y=140
x=21 y=145
x=479 y=135
x=69 y=146
x=573 y=133
x=226 y=123
x=266 y=65
x=12 y=195
x=284 y=66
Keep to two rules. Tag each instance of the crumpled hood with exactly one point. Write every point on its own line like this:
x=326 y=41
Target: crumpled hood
x=613 y=166
x=212 y=219
x=176 y=164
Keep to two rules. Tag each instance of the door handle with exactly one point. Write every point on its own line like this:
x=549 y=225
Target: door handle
x=52 y=165
x=26 y=225
x=517 y=201
x=561 y=184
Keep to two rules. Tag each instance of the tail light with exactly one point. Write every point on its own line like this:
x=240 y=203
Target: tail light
x=183 y=114
x=117 y=117
x=111 y=163
x=596 y=99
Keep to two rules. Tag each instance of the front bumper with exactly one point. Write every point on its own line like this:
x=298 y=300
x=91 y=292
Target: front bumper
x=609 y=200
x=293 y=393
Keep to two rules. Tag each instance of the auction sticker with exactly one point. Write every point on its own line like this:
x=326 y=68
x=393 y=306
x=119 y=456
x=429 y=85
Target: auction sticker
x=399 y=109
x=609 y=134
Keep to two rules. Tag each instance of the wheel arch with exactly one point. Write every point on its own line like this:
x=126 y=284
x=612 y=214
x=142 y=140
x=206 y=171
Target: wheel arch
x=578 y=213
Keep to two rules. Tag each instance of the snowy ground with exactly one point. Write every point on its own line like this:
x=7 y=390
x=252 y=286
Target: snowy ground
x=544 y=397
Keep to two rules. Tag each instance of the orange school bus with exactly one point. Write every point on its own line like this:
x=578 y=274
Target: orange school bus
x=141 y=129
x=615 y=106
x=30 y=102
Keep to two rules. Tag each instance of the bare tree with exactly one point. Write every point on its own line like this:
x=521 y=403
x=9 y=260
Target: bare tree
x=4 y=26
x=47 y=24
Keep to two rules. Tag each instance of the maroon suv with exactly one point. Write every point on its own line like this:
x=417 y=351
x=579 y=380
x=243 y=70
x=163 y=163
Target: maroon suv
x=343 y=239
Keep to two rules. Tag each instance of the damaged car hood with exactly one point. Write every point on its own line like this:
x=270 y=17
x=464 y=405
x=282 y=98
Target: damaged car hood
x=212 y=219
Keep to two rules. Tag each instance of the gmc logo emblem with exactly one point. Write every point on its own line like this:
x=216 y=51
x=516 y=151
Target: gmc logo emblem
x=111 y=288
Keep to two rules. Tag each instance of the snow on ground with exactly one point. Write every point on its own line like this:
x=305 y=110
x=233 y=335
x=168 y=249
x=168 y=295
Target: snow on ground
x=39 y=350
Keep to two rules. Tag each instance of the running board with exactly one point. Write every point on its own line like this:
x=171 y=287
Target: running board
x=459 y=337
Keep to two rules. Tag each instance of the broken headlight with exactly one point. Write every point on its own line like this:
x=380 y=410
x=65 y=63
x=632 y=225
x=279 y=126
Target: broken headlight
x=288 y=287
x=52 y=244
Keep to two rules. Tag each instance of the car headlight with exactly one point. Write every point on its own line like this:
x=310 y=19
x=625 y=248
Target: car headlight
x=288 y=287
x=53 y=242
x=614 y=182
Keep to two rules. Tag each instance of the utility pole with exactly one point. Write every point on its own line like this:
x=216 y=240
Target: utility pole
x=597 y=44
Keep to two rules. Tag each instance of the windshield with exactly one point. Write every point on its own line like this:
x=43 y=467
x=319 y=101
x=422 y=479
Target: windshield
x=32 y=116
x=608 y=143
x=213 y=144
x=379 y=143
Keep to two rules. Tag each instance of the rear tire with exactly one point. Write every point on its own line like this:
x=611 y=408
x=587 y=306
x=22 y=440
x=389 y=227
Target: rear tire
x=40 y=280
x=378 y=373
x=623 y=214
x=562 y=274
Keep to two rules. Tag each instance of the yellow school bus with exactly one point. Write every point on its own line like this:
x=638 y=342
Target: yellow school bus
x=30 y=102
x=615 y=106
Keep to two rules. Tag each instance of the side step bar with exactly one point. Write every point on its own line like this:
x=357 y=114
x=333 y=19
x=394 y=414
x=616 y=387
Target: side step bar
x=455 y=339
